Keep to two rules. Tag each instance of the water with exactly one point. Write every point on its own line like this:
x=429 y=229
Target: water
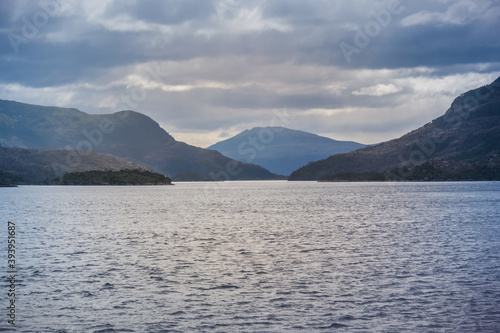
x=256 y=257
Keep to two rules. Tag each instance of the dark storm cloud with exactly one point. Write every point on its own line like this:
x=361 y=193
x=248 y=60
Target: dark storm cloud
x=229 y=61
x=432 y=46
x=316 y=30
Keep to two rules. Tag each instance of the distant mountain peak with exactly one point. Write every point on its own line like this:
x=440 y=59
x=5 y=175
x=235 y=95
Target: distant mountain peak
x=281 y=149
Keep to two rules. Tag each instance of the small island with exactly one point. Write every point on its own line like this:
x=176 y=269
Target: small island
x=122 y=177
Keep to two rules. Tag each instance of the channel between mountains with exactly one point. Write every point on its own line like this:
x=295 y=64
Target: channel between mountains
x=42 y=142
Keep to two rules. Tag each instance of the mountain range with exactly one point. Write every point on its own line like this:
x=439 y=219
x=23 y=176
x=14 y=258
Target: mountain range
x=129 y=135
x=462 y=144
x=281 y=150
x=39 y=143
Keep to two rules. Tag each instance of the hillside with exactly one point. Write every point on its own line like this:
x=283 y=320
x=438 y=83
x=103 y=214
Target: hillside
x=463 y=143
x=281 y=150
x=126 y=134
x=37 y=165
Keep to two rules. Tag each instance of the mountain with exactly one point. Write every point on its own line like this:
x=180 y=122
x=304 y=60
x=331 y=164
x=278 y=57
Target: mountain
x=37 y=165
x=464 y=143
x=126 y=134
x=281 y=150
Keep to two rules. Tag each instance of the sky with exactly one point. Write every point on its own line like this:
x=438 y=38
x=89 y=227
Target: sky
x=357 y=70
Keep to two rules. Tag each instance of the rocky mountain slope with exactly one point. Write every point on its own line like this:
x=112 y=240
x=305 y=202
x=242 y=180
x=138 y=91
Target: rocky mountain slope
x=463 y=143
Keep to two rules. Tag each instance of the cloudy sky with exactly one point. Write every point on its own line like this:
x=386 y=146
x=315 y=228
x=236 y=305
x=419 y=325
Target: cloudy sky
x=362 y=70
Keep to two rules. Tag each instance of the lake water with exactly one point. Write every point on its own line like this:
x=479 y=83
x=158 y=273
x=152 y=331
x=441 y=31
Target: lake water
x=255 y=257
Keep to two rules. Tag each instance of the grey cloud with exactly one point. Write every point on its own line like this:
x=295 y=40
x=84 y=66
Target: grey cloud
x=268 y=54
x=315 y=39
x=169 y=12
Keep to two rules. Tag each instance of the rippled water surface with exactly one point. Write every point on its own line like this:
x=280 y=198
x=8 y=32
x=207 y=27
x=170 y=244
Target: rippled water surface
x=256 y=257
